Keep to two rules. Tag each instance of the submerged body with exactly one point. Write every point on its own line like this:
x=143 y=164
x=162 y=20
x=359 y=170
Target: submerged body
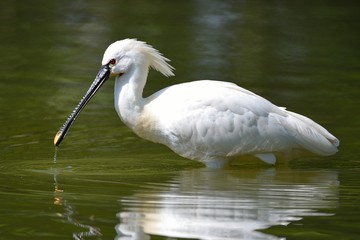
x=209 y=121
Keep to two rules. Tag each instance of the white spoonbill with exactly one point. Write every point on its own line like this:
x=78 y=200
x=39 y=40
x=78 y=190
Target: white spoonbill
x=209 y=121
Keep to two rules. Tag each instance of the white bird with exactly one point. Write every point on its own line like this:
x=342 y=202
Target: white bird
x=209 y=121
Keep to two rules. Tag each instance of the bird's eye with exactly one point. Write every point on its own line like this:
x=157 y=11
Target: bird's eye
x=112 y=61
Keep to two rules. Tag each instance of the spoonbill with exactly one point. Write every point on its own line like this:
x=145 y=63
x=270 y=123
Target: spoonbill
x=209 y=121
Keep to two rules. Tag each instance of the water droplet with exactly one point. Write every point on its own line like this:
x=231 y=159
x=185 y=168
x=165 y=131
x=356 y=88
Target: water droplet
x=55 y=154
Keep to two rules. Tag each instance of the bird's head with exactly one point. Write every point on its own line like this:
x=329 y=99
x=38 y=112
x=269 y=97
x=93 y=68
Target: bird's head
x=124 y=55
x=120 y=58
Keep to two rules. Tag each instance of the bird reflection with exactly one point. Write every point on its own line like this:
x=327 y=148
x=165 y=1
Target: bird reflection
x=69 y=212
x=228 y=204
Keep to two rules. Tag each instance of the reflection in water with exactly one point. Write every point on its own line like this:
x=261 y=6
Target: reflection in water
x=229 y=204
x=69 y=213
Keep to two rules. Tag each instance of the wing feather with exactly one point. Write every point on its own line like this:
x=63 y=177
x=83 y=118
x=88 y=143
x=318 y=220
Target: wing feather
x=205 y=119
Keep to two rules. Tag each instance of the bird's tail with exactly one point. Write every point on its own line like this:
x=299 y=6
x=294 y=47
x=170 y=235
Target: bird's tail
x=311 y=136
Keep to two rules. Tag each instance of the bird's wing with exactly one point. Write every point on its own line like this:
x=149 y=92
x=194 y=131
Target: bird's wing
x=219 y=118
x=309 y=135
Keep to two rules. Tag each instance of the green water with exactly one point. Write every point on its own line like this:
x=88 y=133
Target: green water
x=109 y=184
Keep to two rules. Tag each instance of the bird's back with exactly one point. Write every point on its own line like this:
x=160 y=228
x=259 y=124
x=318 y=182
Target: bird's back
x=212 y=119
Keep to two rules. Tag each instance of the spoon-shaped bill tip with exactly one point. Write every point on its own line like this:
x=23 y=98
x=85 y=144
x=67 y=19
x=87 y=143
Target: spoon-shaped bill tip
x=58 y=138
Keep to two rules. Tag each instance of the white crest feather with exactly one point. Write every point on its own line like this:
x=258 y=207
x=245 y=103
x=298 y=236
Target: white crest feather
x=157 y=60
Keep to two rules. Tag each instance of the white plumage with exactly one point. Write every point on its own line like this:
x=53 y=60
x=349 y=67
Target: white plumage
x=209 y=121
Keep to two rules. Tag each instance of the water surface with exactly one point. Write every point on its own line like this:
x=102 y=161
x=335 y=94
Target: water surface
x=109 y=184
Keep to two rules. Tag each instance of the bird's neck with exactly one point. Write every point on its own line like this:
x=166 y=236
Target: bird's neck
x=129 y=101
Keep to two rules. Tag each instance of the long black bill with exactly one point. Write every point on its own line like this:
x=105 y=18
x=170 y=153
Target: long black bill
x=101 y=77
